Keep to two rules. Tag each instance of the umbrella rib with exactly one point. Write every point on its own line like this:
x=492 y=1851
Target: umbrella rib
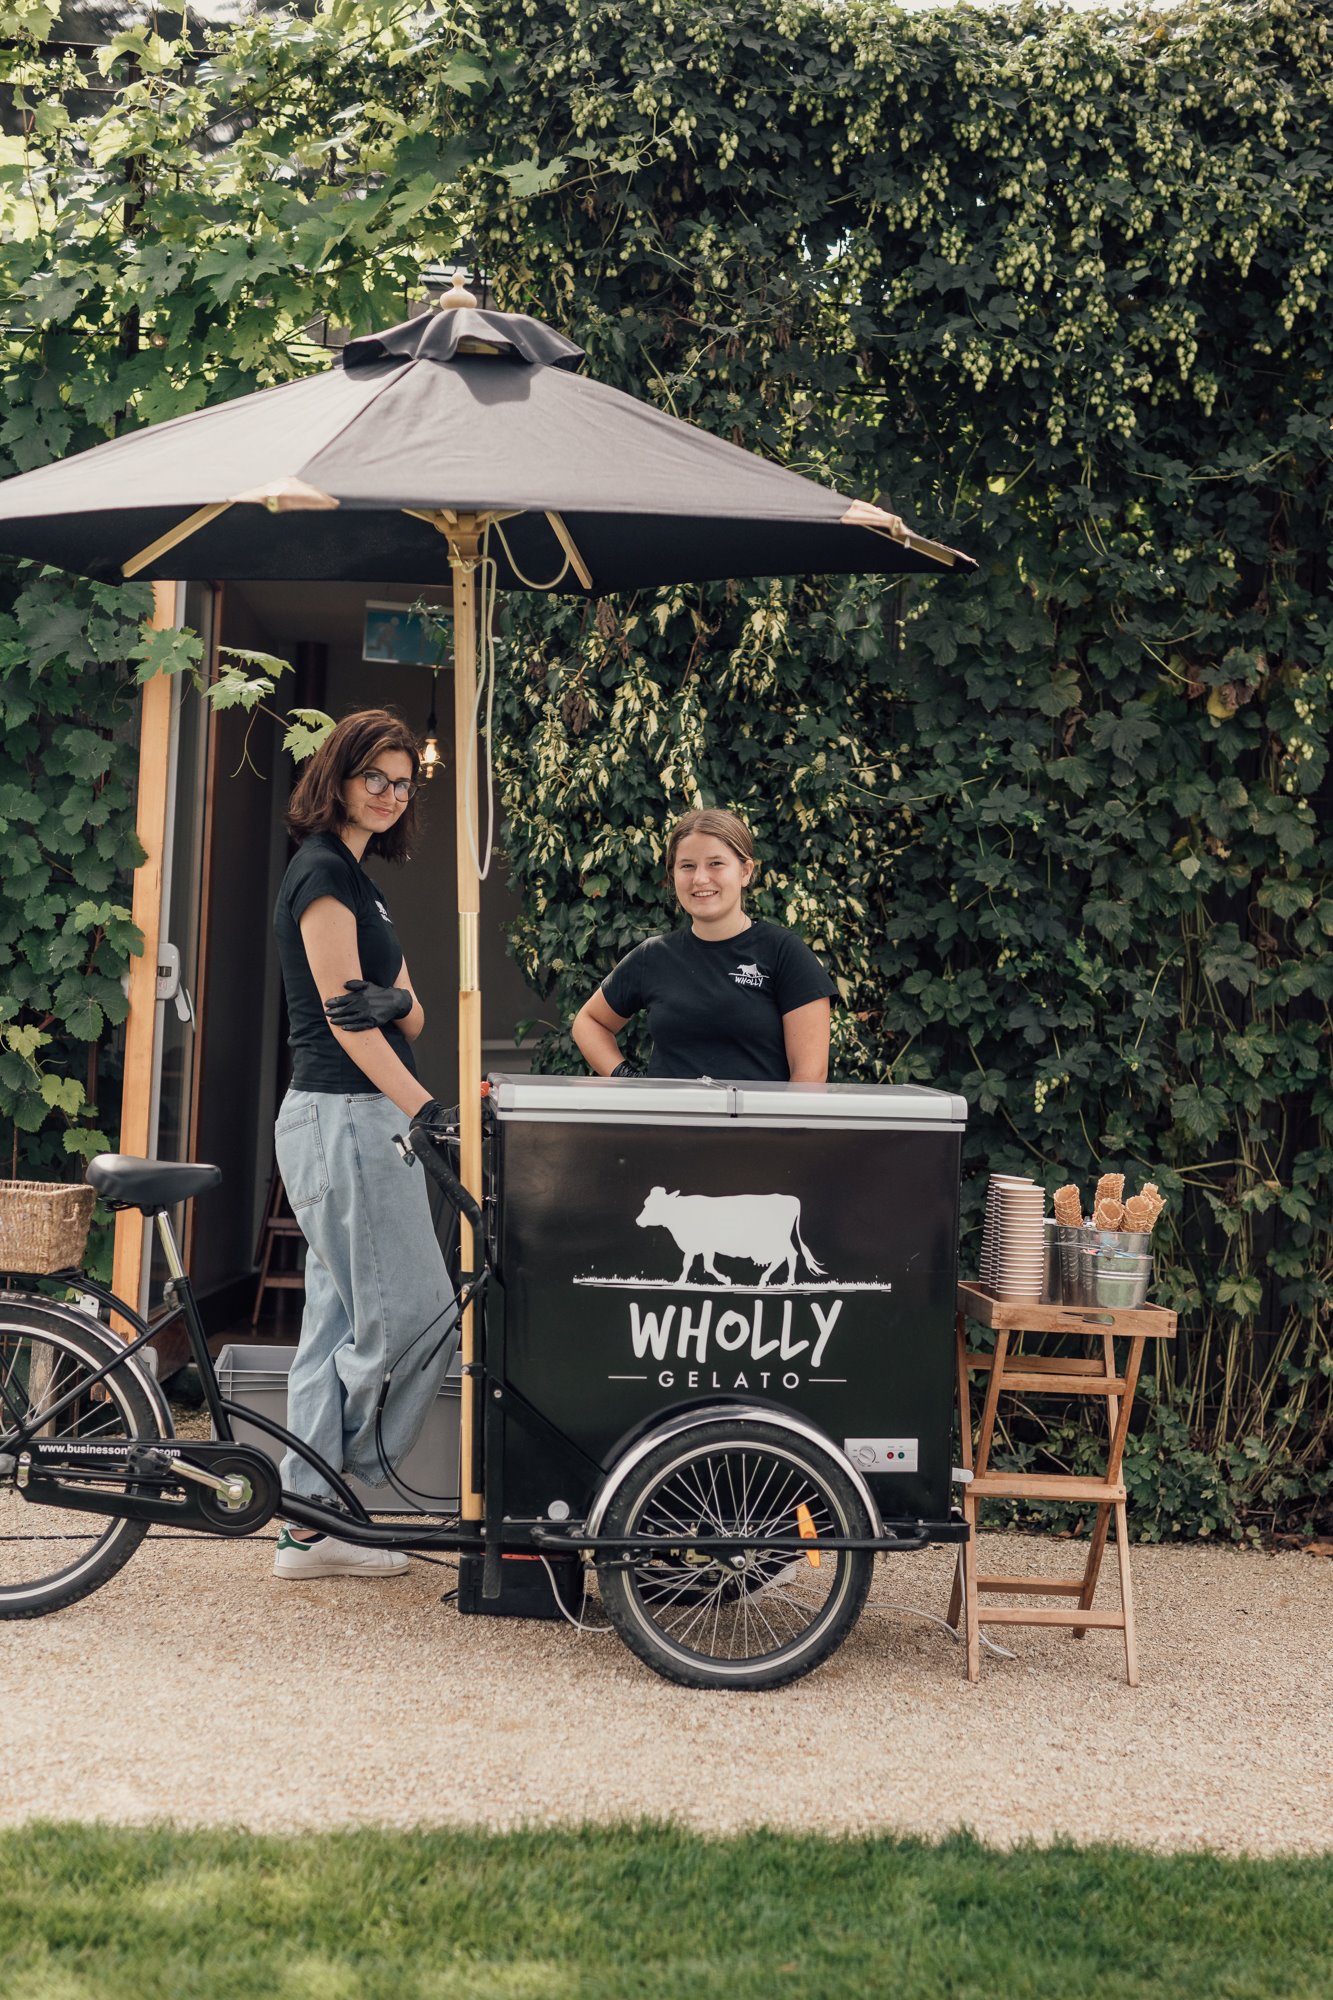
x=439 y=516
x=864 y=514
x=939 y=551
x=570 y=547
x=280 y=496
x=444 y=518
x=180 y=533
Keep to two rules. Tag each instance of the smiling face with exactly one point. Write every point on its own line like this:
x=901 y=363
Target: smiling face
x=366 y=814
x=709 y=877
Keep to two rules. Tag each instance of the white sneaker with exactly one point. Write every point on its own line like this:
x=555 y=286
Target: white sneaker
x=327 y=1556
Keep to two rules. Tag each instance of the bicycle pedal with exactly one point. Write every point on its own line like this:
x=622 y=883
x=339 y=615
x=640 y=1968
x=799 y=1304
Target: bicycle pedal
x=144 y=1461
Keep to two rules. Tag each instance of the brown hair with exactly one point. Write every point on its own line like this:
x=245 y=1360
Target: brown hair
x=718 y=825
x=316 y=804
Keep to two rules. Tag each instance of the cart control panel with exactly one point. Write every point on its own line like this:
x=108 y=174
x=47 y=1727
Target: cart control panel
x=881 y=1454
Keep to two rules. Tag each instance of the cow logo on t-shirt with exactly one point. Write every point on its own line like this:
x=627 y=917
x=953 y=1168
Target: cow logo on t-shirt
x=748 y=975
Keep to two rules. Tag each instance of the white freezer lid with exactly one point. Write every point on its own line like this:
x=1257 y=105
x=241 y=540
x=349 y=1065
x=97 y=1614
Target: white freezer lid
x=629 y=1097
x=849 y=1103
x=656 y=1098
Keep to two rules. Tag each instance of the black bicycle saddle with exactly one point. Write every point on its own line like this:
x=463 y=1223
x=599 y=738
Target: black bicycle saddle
x=125 y=1182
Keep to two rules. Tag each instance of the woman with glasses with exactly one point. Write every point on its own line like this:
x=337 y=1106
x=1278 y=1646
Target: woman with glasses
x=375 y=1277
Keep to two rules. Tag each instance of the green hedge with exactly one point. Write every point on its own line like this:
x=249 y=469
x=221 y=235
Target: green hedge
x=1053 y=285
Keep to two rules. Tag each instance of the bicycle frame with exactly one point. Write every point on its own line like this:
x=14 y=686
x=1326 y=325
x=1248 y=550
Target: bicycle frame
x=350 y=1522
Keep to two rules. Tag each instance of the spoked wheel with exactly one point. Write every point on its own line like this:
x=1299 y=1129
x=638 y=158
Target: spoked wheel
x=754 y=1619
x=52 y=1556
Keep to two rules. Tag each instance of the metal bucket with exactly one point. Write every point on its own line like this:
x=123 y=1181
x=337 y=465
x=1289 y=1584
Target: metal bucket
x=1117 y=1278
x=1118 y=1242
x=1072 y=1244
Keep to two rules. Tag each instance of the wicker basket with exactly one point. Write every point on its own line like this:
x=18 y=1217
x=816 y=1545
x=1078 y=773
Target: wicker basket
x=43 y=1225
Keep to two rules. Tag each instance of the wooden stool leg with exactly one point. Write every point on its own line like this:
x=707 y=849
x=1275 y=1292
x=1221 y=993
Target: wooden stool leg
x=965 y=1453
x=1092 y=1568
x=956 y=1589
x=1097 y=1548
x=981 y=1464
x=964 y=1392
x=1126 y=1595
x=970 y=1556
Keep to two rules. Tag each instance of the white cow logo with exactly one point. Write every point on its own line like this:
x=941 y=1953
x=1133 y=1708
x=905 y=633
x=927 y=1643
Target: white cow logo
x=763 y=1228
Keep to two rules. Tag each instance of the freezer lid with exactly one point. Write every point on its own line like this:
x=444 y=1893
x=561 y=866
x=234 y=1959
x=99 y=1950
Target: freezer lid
x=630 y=1097
x=849 y=1103
x=651 y=1099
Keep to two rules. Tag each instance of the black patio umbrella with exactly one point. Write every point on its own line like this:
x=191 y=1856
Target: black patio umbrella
x=463 y=426
x=456 y=412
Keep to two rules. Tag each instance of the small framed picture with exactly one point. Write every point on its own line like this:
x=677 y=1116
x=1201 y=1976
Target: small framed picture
x=396 y=635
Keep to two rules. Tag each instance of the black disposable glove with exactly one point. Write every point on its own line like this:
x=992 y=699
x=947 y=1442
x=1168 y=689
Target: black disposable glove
x=367 y=1006
x=626 y=1069
x=437 y=1117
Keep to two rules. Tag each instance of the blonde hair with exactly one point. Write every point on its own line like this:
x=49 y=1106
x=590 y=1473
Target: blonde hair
x=723 y=826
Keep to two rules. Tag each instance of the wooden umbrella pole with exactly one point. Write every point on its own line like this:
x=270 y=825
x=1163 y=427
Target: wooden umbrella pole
x=464 y=552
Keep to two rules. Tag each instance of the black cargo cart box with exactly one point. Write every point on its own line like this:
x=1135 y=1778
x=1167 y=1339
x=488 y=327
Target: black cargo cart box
x=665 y=1244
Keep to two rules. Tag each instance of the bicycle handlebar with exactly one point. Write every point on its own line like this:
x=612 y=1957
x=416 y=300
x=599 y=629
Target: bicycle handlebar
x=427 y=1148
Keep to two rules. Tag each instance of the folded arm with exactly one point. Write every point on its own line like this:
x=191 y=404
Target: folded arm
x=328 y=932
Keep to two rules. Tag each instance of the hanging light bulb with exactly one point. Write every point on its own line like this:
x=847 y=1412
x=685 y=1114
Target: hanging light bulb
x=431 y=758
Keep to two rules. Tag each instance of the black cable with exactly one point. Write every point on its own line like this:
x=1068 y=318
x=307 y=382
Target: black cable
x=404 y=1491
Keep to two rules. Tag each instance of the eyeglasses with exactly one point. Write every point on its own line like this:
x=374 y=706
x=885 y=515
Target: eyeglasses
x=377 y=785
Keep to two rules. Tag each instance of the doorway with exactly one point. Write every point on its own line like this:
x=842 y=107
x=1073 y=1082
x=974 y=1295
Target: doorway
x=241 y=779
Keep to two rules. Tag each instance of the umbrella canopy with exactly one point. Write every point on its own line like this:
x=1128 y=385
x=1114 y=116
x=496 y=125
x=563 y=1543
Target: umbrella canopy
x=467 y=411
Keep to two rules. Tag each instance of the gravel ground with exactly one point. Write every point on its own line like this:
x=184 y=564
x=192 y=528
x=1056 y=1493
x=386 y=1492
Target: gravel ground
x=197 y=1688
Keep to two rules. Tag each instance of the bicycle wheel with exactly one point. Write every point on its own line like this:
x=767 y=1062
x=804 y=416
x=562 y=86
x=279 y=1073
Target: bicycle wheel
x=756 y=1619
x=52 y=1556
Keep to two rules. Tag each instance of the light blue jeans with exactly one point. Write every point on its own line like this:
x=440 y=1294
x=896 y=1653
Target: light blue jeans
x=375 y=1277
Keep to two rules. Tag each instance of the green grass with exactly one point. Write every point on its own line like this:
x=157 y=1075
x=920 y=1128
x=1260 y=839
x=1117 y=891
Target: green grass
x=621 y=1912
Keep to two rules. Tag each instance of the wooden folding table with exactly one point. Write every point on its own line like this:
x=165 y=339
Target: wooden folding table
x=1011 y=1370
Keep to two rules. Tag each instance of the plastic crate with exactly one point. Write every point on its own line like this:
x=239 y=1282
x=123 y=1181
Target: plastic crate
x=257 y=1376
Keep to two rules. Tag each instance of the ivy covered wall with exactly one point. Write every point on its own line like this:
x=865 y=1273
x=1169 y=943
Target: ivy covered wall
x=1055 y=286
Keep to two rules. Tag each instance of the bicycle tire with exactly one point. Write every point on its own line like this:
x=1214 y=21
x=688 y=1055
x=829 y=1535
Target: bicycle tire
x=48 y=1350
x=702 y=1624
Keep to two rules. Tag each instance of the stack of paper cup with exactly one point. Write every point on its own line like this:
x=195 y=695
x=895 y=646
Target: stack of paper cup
x=1013 y=1249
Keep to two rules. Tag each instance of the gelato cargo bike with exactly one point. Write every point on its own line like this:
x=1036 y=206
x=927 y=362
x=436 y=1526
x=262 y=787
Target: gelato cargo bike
x=715 y=1368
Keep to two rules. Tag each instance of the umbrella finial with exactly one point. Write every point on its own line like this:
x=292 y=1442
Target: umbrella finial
x=457 y=294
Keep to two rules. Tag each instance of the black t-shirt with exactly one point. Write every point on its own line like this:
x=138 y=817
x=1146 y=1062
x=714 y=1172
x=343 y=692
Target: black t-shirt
x=324 y=866
x=715 y=1007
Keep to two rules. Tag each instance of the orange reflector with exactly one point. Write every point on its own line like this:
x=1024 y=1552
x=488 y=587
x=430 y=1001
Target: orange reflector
x=805 y=1527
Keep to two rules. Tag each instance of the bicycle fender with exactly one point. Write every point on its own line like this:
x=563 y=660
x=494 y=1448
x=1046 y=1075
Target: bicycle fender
x=739 y=1414
x=76 y=1320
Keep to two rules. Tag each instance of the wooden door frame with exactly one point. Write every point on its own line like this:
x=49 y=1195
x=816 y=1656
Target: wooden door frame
x=155 y=713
